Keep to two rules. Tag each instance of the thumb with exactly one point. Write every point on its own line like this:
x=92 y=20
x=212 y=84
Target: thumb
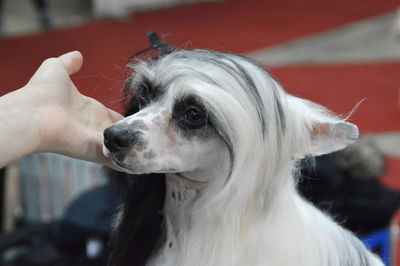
x=72 y=61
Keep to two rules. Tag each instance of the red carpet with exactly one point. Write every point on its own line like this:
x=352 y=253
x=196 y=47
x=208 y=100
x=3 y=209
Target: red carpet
x=341 y=87
x=237 y=25
x=391 y=178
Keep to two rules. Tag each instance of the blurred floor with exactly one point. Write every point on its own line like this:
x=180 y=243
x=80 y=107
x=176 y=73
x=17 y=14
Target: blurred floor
x=21 y=17
x=371 y=39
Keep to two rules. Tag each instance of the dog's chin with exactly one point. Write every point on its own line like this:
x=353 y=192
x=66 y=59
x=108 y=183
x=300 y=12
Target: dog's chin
x=129 y=169
x=133 y=168
x=117 y=161
x=124 y=167
x=179 y=177
x=185 y=181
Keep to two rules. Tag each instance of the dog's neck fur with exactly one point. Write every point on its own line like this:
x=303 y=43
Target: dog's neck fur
x=193 y=232
x=192 y=227
x=178 y=209
x=184 y=206
x=178 y=215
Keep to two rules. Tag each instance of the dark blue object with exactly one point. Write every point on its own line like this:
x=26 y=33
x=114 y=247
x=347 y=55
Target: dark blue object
x=379 y=241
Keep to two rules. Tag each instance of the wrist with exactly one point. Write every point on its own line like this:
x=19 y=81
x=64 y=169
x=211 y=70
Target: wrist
x=18 y=132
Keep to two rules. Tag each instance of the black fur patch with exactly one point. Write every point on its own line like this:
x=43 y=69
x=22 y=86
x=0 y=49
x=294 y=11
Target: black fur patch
x=179 y=109
x=141 y=230
x=146 y=92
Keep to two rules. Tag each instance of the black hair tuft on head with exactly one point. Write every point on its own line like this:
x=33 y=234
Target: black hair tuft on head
x=157 y=45
x=161 y=47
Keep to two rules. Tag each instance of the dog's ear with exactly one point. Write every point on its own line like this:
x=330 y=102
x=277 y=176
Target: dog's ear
x=331 y=136
x=319 y=131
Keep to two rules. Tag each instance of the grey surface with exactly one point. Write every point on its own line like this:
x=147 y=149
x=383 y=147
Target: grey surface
x=21 y=17
x=368 y=40
x=388 y=143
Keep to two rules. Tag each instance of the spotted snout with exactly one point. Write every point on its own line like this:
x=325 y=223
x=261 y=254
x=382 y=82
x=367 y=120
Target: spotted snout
x=118 y=138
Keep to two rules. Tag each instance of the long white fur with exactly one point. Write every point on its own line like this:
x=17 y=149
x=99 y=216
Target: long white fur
x=246 y=211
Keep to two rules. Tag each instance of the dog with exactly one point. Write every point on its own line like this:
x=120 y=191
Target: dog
x=212 y=143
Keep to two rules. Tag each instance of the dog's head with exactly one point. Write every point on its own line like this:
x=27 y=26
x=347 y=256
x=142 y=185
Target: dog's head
x=202 y=110
x=177 y=127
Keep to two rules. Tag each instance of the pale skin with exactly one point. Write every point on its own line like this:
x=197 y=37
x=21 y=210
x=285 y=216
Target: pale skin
x=49 y=114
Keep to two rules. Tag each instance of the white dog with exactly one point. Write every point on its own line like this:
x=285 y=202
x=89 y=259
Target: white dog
x=228 y=138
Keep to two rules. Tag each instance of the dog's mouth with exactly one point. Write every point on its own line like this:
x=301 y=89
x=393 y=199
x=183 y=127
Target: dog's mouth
x=178 y=177
x=121 y=164
x=125 y=167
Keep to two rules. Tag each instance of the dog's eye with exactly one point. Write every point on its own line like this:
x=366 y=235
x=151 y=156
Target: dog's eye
x=142 y=93
x=195 y=116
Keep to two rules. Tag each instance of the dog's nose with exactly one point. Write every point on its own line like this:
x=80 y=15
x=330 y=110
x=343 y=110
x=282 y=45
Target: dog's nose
x=118 y=137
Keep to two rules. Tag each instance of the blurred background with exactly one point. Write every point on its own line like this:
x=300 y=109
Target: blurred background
x=57 y=211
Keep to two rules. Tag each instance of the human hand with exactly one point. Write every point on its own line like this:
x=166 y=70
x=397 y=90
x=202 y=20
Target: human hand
x=67 y=122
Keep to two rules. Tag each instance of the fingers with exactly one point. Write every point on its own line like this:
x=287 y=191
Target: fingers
x=72 y=61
